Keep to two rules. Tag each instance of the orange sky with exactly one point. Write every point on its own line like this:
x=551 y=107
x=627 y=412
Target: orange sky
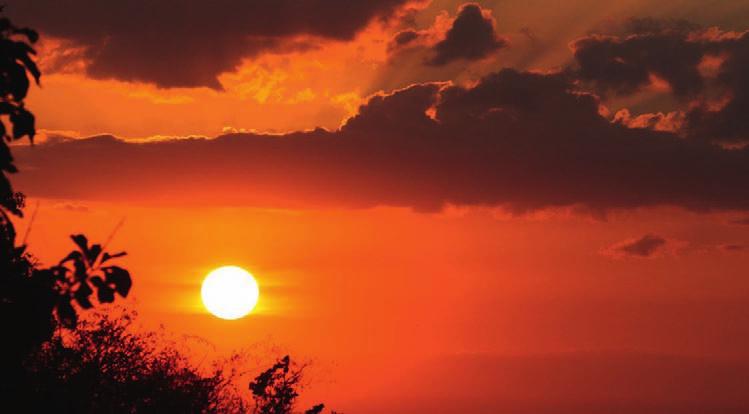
x=374 y=293
x=399 y=308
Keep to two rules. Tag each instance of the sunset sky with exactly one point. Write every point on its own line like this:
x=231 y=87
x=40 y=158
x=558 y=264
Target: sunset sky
x=535 y=206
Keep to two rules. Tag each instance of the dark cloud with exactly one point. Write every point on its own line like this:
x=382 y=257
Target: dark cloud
x=625 y=65
x=646 y=246
x=187 y=44
x=403 y=38
x=471 y=37
x=639 y=25
x=520 y=140
x=650 y=25
x=675 y=52
x=728 y=120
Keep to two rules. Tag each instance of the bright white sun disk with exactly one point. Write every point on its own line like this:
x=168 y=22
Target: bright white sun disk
x=229 y=292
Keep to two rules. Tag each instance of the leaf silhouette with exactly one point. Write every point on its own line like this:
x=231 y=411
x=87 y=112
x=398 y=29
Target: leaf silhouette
x=81 y=241
x=30 y=34
x=82 y=294
x=23 y=52
x=93 y=253
x=105 y=294
x=81 y=271
x=23 y=124
x=106 y=256
x=119 y=278
x=18 y=84
x=74 y=255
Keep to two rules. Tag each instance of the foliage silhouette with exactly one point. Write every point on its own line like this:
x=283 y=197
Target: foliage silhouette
x=275 y=389
x=104 y=366
x=34 y=300
x=15 y=62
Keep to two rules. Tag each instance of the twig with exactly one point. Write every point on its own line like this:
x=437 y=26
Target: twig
x=111 y=235
x=31 y=223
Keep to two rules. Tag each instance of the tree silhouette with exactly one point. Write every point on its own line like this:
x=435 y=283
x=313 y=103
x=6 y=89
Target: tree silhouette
x=35 y=300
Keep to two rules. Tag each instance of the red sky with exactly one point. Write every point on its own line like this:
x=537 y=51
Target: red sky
x=521 y=207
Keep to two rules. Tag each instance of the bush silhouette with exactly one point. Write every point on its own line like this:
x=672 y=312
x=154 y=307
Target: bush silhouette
x=276 y=389
x=103 y=366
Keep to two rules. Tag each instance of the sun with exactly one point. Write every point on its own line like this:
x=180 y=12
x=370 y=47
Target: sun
x=229 y=292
